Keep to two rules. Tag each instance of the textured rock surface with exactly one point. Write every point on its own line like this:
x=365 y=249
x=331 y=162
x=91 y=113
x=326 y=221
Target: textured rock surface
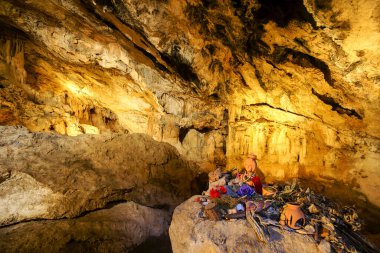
x=118 y=229
x=297 y=82
x=51 y=176
x=188 y=233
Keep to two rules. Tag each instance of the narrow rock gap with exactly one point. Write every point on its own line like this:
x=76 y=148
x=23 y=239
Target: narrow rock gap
x=277 y=108
x=336 y=106
x=243 y=80
x=280 y=69
x=301 y=42
x=182 y=66
x=283 y=54
x=282 y=12
x=109 y=205
x=153 y=59
x=259 y=78
x=158 y=243
x=183 y=131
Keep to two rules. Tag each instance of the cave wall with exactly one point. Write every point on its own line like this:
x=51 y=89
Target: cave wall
x=296 y=82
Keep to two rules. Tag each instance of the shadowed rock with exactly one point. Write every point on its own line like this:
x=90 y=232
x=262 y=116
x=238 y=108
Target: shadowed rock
x=117 y=229
x=54 y=176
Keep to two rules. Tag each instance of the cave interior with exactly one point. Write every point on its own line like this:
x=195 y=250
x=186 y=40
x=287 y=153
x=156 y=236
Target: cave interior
x=110 y=107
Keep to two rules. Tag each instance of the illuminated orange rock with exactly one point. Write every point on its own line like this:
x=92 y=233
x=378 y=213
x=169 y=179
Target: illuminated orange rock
x=215 y=80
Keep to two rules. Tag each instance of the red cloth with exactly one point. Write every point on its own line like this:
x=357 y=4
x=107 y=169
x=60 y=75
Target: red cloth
x=258 y=186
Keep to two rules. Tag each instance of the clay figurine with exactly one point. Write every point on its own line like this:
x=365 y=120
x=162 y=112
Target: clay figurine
x=292 y=216
x=250 y=177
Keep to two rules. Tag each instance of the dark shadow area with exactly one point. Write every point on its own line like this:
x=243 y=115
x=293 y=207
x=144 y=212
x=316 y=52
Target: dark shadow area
x=336 y=106
x=184 y=130
x=160 y=244
x=344 y=194
x=283 y=11
x=10 y=32
x=284 y=54
x=182 y=133
x=199 y=184
x=181 y=65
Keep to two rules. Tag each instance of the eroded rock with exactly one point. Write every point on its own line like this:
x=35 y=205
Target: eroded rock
x=51 y=176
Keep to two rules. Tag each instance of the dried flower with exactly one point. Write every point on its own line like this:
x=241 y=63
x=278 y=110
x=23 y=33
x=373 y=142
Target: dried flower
x=223 y=190
x=214 y=193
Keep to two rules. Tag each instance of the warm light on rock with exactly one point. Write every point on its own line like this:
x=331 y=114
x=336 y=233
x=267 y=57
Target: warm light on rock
x=76 y=90
x=295 y=82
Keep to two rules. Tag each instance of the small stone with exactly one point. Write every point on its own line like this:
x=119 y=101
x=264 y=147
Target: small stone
x=313 y=209
x=324 y=247
x=309 y=229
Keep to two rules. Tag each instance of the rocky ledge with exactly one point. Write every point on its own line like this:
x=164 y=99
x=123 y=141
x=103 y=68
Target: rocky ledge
x=188 y=232
x=118 y=229
x=47 y=176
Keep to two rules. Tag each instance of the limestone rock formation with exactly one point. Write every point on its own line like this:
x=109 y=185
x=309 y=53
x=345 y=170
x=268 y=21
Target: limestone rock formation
x=295 y=81
x=118 y=229
x=190 y=232
x=48 y=176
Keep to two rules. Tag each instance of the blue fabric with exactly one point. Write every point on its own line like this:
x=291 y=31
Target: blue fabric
x=245 y=190
x=231 y=192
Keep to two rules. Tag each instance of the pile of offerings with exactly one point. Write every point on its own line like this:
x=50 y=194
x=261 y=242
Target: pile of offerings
x=232 y=195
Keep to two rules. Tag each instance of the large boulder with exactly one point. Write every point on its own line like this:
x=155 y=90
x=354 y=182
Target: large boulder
x=117 y=229
x=48 y=176
x=188 y=232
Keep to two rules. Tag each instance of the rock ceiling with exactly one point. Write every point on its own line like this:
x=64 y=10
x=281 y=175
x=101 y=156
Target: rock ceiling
x=296 y=82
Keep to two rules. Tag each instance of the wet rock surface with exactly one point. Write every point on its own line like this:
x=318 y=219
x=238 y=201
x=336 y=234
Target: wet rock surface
x=117 y=229
x=48 y=176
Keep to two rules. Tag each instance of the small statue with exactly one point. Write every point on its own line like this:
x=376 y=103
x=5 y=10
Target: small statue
x=250 y=164
x=249 y=176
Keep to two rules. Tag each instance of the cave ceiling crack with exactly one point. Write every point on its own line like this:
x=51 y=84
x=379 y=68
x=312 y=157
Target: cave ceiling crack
x=278 y=108
x=284 y=54
x=260 y=121
x=328 y=100
x=139 y=41
x=280 y=69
